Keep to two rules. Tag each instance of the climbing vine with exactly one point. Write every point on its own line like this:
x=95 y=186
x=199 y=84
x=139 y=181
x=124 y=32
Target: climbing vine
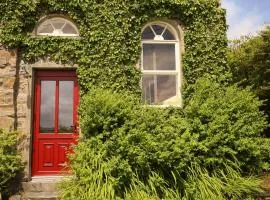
x=109 y=44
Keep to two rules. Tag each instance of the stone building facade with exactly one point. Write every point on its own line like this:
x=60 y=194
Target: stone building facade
x=17 y=100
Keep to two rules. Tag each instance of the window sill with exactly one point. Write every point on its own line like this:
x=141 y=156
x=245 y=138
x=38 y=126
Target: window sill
x=175 y=101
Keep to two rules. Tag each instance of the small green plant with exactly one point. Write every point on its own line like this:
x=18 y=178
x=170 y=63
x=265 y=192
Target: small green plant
x=153 y=187
x=221 y=184
x=10 y=160
x=94 y=183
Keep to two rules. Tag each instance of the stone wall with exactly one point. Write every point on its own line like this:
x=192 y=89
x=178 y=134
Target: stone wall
x=15 y=101
x=8 y=63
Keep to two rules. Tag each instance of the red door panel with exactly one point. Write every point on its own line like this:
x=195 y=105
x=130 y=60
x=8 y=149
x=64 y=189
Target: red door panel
x=61 y=151
x=55 y=120
x=46 y=155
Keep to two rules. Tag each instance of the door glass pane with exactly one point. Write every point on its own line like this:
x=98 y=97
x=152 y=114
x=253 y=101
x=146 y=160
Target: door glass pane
x=158 y=88
x=159 y=56
x=65 y=120
x=47 y=106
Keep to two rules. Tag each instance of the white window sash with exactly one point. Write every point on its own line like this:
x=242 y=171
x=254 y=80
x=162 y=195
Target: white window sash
x=160 y=72
x=159 y=41
x=63 y=34
x=177 y=72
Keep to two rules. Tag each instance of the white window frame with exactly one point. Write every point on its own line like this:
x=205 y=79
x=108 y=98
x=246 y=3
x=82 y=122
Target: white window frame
x=55 y=33
x=177 y=70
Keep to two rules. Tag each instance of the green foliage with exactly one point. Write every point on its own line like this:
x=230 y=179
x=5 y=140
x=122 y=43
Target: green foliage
x=92 y=183
x=226 y=183
x=229 y=125
x=110 y=111
x=216 y=126
x=249 y=61
x=221 y=184
x=110 y=32
x=10 y=161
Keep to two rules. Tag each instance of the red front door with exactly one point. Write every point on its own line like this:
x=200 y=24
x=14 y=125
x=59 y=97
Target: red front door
x=55 y=120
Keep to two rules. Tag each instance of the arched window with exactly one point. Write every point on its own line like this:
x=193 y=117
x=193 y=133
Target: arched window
x=57 y=26
x=160 y=64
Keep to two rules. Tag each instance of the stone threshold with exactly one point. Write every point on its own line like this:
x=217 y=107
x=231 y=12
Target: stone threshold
x=41 y=188
x=38 y=179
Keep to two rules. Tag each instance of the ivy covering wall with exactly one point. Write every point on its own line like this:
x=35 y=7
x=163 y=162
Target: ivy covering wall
x=110 y=32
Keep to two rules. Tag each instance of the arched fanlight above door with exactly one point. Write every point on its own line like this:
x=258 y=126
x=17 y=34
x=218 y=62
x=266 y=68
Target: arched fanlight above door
x=57 y=26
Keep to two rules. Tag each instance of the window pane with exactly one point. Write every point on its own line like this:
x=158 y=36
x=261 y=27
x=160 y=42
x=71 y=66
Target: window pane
x=68 y=29
x=58 y=25
x=158 y=88
x=158 y=29
x=148 y=86
x=167 y=35
x=159 y=56
x=57 y=22
x=47 y=106
x=46 y=28
x=148 y=34
x=65 y=120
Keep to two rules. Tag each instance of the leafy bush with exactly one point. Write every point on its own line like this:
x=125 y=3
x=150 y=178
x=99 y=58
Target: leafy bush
x=126 y=145
x=102 y=112
x=10 y=161
x=249 y=63
x=229 y=125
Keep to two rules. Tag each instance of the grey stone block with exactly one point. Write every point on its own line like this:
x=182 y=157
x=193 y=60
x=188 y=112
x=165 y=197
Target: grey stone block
x=3 y=62
x=15 y=197
x=40 y=196
x=40 y=190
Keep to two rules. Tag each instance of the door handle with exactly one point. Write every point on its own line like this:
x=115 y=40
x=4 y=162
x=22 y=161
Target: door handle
x=75 y=128
x=62 y=164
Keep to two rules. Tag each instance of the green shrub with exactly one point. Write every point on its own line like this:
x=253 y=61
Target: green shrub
x=229 y=125
x=10 y=161
x=102 y=111
x=123 y=139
